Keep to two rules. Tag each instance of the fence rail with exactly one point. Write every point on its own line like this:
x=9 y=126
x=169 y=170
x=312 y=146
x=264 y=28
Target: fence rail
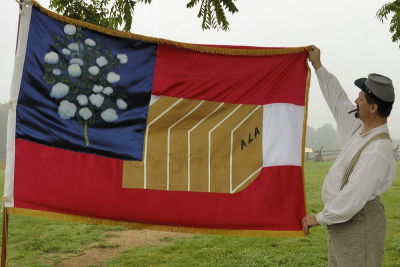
x=326 y=155
x=322 y=155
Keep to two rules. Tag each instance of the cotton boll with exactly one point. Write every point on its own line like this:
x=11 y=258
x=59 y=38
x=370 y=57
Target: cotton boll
x=51 y=58
x=123 y=58
x=73 y=47
x=112 y=77
x=76 y=60
x=109 y=115
x=59 y=90
x=101 y=61
x=70 y=29
x=96 y=99
x=56 y=72
x=108 y=91
x=66 y=110
x=94 y=70
x=82 y=100
x=66 y=52
x=85 y=113
x=121 y=104
x=97 y=88
x=90 y=42
x=74 y=70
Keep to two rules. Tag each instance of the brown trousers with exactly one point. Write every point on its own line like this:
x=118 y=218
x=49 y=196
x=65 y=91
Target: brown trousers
x=359 y=242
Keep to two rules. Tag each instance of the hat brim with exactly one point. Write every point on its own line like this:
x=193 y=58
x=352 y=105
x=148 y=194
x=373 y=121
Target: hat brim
x=360 y=83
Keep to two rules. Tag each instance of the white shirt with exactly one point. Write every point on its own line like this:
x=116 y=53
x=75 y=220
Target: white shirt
x=375 y=169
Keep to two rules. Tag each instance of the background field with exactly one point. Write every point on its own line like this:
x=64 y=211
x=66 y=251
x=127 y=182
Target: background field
x=41 y=242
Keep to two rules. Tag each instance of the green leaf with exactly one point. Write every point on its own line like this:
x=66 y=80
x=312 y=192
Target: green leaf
x=50 y=79
x=391 y=8
x=120 y=12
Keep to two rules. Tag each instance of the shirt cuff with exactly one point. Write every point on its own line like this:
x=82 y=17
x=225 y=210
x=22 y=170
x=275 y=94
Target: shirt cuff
x=320 y=219
x=320 y=70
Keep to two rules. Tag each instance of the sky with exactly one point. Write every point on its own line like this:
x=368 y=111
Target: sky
x=353 y=41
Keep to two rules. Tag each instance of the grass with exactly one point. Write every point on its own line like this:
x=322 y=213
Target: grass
x=42 y=242
x=237 y=251
x=105 y=245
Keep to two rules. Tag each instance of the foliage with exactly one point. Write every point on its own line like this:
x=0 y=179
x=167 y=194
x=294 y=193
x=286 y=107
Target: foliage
x=3 y=131
x=325 y=136
x=389 y=9
x=113 y=14
x=118 y=13
x=98 y=11
x=212 y=13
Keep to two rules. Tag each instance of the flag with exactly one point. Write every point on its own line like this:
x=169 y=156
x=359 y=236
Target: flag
x=118 y=128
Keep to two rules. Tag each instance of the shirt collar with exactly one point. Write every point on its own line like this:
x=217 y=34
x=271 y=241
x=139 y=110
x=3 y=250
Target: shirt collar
x=376 y=130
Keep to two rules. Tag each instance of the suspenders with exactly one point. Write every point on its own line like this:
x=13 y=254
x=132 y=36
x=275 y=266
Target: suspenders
x=354 y=160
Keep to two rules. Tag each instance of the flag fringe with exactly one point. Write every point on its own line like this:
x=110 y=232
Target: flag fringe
x=188 y=46
x=303 y=141
x=142 y=226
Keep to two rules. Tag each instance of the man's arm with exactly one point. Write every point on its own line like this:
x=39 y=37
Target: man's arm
x=336 y=98
x=370 y=177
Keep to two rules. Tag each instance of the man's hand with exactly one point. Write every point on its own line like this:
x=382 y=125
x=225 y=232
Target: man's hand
x=315 y=57
x=308 y=222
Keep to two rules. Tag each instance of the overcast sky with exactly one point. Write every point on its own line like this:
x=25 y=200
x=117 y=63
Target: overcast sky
x=353 y=41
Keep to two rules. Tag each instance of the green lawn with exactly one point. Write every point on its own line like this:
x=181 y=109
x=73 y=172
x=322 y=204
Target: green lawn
x=235 y=251
x=40 y=242
x=43 y=242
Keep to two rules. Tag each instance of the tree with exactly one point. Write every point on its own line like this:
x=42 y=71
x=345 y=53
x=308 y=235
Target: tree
x=3 y=131
x=311 y=138
x=325 y=136
x=328 y=137
x=118 y=13
x=385 y=11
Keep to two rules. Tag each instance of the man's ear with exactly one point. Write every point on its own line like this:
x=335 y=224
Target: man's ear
x=373 y=108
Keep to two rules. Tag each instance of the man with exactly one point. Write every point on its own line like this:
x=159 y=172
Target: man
x=364 y=169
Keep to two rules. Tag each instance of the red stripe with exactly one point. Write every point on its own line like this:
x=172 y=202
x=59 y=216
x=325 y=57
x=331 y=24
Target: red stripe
x=52 y=179
x=263 y=80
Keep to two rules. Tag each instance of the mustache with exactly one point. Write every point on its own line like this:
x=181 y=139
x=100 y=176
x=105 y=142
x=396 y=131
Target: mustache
x=352 y=111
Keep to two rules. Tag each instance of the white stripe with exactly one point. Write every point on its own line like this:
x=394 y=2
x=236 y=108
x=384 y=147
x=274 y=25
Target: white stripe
x=154 y=99
x=231 y=152
x=146 y=138
x=193 y=128
x=209 y=144
x=248 y=178
x=15 y=86
x=282 y=134
x=169 y=134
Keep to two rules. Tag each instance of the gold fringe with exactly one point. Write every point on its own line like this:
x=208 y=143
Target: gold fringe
x=191 y=230
x=160 y=41
x=303 y=141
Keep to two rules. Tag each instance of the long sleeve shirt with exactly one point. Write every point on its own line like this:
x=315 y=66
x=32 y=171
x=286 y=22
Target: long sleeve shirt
x=375 y=170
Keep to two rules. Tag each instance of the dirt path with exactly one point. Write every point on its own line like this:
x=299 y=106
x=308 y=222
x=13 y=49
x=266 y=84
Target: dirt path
x=98 y=253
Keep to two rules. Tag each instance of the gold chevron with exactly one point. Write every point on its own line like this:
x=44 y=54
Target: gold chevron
x=200 y=146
